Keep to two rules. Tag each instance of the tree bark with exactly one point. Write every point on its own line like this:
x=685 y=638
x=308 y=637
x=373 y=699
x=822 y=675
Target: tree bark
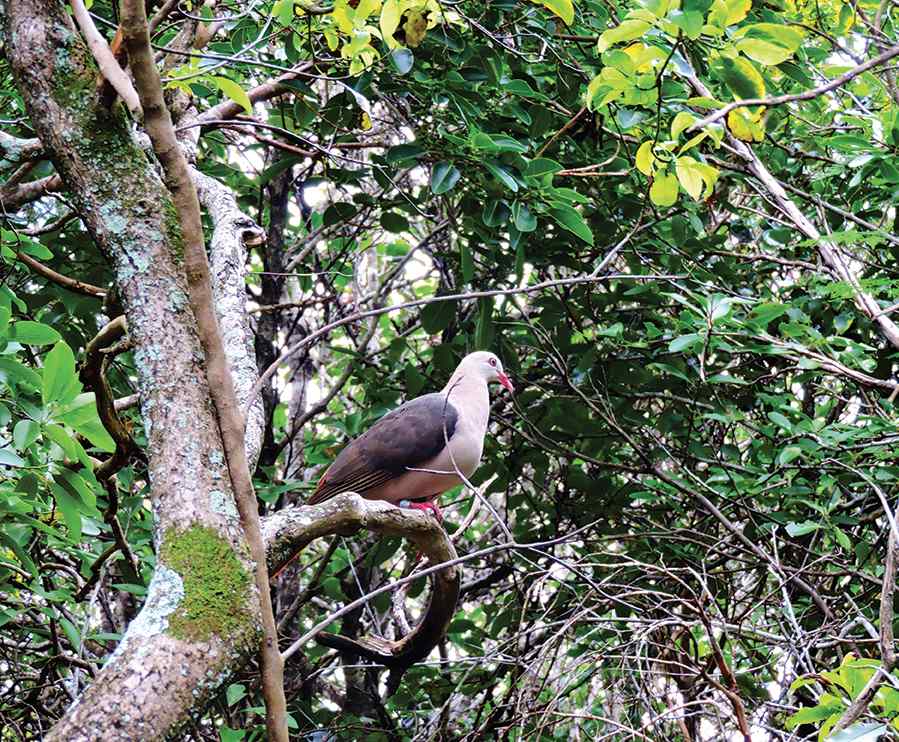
x=181 y=644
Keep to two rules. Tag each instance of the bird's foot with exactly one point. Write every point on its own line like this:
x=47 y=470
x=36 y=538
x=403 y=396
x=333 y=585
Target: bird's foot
x=427 y=505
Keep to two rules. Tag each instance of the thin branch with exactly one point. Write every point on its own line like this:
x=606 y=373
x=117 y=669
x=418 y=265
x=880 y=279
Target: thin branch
x=355 y=317
x=106 y=61
x=779 y=100
x=72 y=284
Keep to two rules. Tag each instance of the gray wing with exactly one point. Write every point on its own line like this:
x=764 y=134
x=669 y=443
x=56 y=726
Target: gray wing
x=407 y=437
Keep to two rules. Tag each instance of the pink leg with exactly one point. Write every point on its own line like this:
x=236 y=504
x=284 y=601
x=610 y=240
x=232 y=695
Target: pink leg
x=427 y=505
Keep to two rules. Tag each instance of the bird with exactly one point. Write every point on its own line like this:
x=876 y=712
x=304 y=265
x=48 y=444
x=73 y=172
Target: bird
x=417 y=452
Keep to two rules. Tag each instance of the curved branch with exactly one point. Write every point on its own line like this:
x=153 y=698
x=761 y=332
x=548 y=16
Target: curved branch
x=292 y=529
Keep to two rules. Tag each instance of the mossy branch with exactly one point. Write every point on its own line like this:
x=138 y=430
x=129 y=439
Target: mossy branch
x=158 y=125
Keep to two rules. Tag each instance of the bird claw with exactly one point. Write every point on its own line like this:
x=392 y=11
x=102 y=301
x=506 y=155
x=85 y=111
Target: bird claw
x=427 y=505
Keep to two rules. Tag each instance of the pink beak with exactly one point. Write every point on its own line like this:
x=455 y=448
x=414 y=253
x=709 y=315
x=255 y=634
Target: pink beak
x=504 y=380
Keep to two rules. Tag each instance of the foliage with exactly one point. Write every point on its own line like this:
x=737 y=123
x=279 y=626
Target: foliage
x=707 y=426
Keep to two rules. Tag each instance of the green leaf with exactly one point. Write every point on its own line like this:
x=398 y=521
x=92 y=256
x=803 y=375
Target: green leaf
x=71 y=632
x=768 y=43
x=60 y=382
x=502 y=175
x=402 y=152
x=437 y=316
x=685 y=342
x=33 y=333
x=61 y=438
x=235 y=92
x=800 y=529
x=570 y=219
x=790 y=453
x=663 y=191
x=235 y=692
x=690 y=22
x=69 y=508
x=741 y=76
x=524 y=220
x=562 y=8
x=25 y=433
x=782 y=420
x=542 y=166
x=624 y=31
x=812 y=714
x=443 y=177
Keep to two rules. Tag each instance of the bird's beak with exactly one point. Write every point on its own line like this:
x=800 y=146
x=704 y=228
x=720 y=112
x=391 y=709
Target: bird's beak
x=504 y=380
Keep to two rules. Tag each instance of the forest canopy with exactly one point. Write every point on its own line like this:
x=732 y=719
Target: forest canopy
x=673 y=220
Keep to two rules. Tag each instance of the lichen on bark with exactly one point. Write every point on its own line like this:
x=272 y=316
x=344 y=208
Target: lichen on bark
x=216 y=585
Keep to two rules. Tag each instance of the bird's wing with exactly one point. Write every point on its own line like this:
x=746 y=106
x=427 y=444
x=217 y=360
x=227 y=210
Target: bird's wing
x=407 y=437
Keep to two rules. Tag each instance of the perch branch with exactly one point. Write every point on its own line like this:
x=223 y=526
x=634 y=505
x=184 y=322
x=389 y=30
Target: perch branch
x=291 y=529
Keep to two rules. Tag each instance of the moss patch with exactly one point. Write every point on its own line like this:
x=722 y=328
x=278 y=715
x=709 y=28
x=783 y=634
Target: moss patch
x=216 y=584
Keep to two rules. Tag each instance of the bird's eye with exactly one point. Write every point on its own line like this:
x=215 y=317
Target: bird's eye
x=493 y=362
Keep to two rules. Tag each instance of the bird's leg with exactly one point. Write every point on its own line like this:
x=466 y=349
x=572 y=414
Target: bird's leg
x=426 y=505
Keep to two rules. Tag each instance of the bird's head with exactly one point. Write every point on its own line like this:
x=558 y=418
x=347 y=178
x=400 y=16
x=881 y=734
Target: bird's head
x=486 y=365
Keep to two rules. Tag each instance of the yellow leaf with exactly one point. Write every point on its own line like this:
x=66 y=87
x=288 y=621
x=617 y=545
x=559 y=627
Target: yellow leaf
x=344 y=16
x=682 y=121
x=366 y=7
x=745 y=126
x=415 y=27
x=645 y=158
x=689 y=176
x=562 y=8
x=390 y=22
x=234 y=92
x=663 y=191
x=625 y=31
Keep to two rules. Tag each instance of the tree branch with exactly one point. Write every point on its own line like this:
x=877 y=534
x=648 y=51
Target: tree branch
x=292 y=529
x=158 y=125
x=829 y=252
x=780 y=100
x=72 y=284
x=106 y=61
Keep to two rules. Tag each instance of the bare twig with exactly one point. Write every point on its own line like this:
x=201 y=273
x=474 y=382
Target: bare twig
x=72 y=284
x=779 y=100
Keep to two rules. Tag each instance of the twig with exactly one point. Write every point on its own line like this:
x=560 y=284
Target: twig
x=779 y=100
x=355 y=317
x=72 y=284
